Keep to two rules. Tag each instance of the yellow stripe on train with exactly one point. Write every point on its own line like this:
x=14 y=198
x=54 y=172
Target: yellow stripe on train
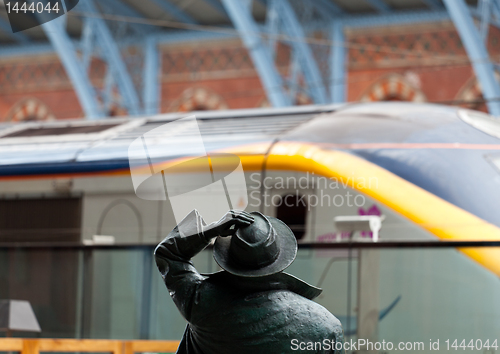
x=439 y=217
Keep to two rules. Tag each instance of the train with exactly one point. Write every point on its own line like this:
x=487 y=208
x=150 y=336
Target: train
x=431 y=171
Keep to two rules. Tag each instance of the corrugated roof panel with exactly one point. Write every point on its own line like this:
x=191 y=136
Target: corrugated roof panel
x=40 y=153
x=217 y=134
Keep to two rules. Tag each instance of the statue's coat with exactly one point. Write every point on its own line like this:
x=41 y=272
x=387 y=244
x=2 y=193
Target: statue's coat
x=228 y=314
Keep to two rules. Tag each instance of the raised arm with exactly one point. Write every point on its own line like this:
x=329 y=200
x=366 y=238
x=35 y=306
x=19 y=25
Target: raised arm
x=173 y=255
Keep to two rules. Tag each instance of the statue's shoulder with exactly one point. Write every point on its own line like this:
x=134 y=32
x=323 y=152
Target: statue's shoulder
x=217 y=279
x=216 y=287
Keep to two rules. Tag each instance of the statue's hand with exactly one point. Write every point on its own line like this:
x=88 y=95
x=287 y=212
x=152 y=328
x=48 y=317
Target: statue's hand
x=228 y=224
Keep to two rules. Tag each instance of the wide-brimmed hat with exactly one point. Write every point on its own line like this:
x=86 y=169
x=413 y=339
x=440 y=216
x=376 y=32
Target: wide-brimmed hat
x=265 y=247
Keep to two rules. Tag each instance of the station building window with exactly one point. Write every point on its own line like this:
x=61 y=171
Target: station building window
x=46 y=277
x=198 y=99
x=393 y=87
x=40 y=220
x=30 y=110
x=293 y=212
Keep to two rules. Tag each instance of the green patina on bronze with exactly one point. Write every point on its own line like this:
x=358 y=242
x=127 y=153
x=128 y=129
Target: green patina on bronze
x=252 y=306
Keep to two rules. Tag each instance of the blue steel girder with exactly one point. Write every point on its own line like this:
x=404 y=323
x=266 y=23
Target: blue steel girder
x=112 y=55
x=328 y=8
x=485 y=11
x=152 y=66
x=249 y=3
x=493 y=20
x=87 y=42
x=433 y=4
x=337 y=63
x=477 y=52
x=119 y=7
x=379 y=5
x=216 y=4
x=395 y=18
x=249 y=32
x=81 y=83
x=312 y=74
x=174 y=11
x=272 y=26
x=294 y=76
x=107 y=92
x=496 y=10
x=64 y=19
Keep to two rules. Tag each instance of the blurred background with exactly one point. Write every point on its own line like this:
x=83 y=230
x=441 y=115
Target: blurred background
x=119 y=57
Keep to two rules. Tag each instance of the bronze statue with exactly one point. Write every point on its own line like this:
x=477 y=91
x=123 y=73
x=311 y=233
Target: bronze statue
x=251 y=306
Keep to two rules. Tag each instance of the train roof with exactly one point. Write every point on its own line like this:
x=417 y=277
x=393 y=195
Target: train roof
x=78 y=141
x=29 y=148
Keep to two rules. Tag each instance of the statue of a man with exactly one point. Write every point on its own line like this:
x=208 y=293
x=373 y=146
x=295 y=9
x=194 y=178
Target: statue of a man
x=251 y=306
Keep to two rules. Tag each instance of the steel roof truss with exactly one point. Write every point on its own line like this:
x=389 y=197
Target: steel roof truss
x=477 y=52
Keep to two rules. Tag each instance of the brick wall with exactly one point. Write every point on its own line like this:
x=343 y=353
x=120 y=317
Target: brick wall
x=412 y=63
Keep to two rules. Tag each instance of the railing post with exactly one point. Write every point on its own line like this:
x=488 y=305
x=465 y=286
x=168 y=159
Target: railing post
x=31 y=346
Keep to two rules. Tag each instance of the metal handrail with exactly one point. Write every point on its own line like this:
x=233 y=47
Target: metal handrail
x=35 y=346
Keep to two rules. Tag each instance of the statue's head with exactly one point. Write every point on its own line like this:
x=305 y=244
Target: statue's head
x=265 y=247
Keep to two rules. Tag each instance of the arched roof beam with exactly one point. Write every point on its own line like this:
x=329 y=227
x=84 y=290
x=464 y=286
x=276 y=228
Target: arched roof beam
x=264 y=64
x=174 y=11
x=121 y=8
x=216 y=4
x=327 y=7
x=67 y=53
x=433 y=4
x=477 y=52
x=379 y=5
x=112 y=55
x=308 y=64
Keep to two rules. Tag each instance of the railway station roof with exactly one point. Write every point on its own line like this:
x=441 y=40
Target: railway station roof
x=166 y=16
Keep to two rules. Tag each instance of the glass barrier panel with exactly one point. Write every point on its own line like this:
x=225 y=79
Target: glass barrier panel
x=408 y=299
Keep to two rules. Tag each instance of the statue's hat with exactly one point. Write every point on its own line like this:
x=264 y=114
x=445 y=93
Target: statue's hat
x=265 y=247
